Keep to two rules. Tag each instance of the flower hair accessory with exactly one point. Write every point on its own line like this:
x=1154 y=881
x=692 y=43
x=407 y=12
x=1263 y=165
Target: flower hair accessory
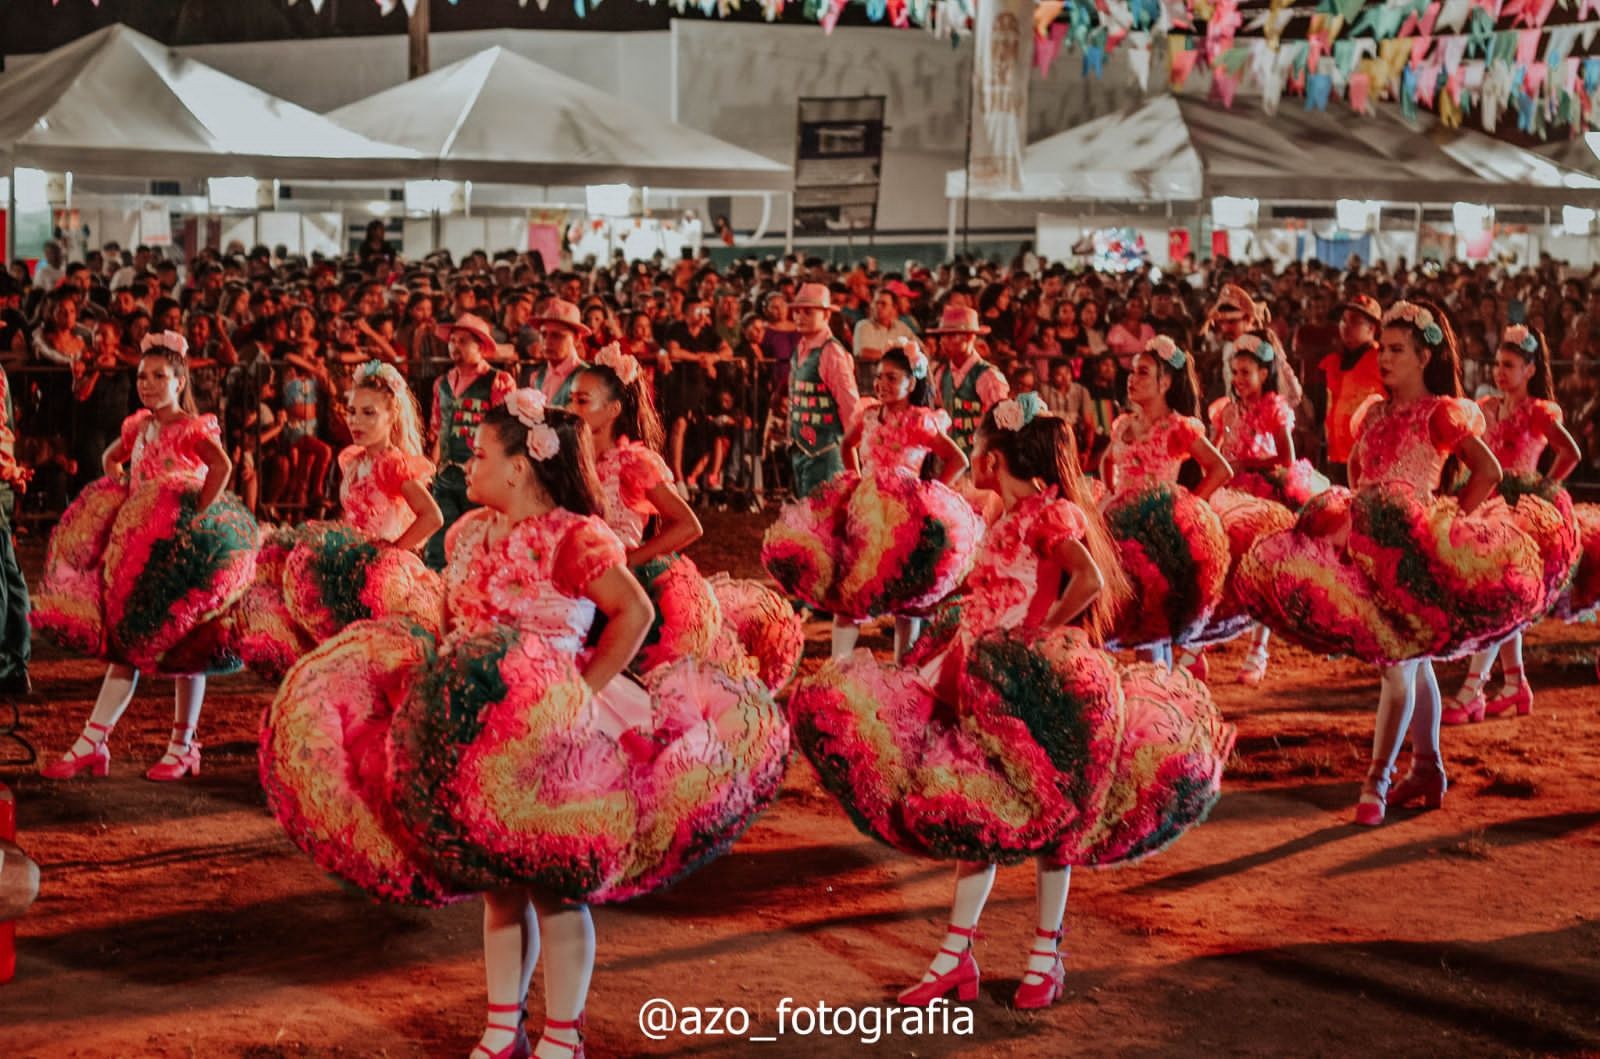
x=528 y=408
x=170 y=341
x=1168 y=351
x=1417 y=317
x=1260 y=348
x=1015 y=413
x=1517 y=336
x=624 y=365
x=915 y=356
x=378 y=371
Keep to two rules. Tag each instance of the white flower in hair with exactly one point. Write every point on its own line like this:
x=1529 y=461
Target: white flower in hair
x=168 y=340
x=625 y=365
x=543 y=442
x=1517 y=336
x=1165 y=348
x=1418 y=317
x=1008 y=415
x=528 y=407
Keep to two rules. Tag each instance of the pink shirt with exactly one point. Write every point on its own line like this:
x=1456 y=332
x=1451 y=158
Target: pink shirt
x=1517 y=435
x=838 y=370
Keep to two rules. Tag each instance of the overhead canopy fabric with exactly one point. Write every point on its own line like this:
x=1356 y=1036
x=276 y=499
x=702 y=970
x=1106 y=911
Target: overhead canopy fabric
x=500 y=118
x=1171 y=149
x=119 y=103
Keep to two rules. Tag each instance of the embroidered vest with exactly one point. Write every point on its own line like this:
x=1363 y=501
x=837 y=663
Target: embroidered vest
x=814 y=424
x=963 y=404
x=563 y=395
x=460 y=415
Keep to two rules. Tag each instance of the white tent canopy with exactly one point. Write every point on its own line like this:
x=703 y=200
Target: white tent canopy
x=119 y=103
x=497 y=117
x=1172 y=149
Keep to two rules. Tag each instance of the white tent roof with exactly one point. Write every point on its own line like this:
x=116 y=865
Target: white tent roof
x=119 y=103
x=498 y=117
x=1172 y=149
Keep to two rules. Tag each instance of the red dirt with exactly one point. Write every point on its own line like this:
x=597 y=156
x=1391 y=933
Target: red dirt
x=176 y=920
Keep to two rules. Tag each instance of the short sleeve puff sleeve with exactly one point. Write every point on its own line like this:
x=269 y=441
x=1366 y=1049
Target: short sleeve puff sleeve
x=1452 y=421
x=586 y=551
x=1060 y=520
x=1184 y=433
x=640 y=471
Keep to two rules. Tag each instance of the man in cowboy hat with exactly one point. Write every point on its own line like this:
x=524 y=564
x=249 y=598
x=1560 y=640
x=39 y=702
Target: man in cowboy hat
x=967 y=385
x=822 y=391
x=560 y=326
x=461 y=398
x=1351 y=370
x=1231 y=315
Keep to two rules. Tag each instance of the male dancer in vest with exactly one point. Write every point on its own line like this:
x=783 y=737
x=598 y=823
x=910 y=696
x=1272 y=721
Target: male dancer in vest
x=461 y=398
x=967 y=385
x=822 y=392
x=560 y=326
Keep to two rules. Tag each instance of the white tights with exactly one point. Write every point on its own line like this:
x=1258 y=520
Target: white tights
x=1407 y=703
x=973 y=883
x=513 y=935
x=189 y=694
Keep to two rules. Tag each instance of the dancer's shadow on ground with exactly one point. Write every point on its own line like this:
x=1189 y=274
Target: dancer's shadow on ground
x=1474 y=843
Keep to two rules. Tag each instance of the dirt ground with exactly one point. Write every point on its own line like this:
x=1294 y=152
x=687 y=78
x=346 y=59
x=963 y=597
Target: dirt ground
x=177 y=920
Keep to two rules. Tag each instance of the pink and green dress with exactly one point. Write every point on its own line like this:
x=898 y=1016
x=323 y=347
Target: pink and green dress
x=1005 y=741
x=1246 y=432
x=1174 y=548
x=695 y=617
x=419 y=770
x=883 y=541
x=1518 y=435
x=135 y=573
x=1254 y=503
x=1391 y=571
x=315 y=579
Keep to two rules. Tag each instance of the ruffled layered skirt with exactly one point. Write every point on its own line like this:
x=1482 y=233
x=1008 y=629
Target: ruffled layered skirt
x=868 y=545
x=500 y=767
x=1582 y=597
x=136 y=577
x=1384 y=575
x=1246 y=518
x=1052 y=748
x=1292 y=486
x=1175 y=553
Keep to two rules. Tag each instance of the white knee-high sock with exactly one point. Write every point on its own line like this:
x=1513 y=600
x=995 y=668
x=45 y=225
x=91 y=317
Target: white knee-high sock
x=845 y=635
x=116 y=691
x=188 y=695
x=1511 y=661
x=973 y=883
x=1395 y=702
x=906 y=631
x=1424 y=726
x=505 y=917
x=568 y=937
x=1053 y=884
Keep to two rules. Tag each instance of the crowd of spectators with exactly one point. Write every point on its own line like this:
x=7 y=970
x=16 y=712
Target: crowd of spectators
x=274 y=340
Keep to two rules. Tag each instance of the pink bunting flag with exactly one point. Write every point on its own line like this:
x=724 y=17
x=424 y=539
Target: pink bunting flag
x=1535 y=12
x=1045 y=49
x=1224 y=86
x=1182 y=64
x=830 y=17
x=1587 y=8
x=1360 y=90
x=1114 y=37
x=1419 y=48
x=1427 y=83
x=1528 y=46
x=1533 y=80
x=1456 y=82
x=1491 y=6
x=1428 y=19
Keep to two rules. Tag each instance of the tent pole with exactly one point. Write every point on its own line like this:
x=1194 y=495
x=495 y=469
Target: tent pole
x=788 y=233
x=966 y=185
x=1416 y=247
x=11 y=215
x=417 y=29
x=950 y=231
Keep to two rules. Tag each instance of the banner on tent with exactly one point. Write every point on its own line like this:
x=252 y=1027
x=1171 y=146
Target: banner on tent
x=1003 y=38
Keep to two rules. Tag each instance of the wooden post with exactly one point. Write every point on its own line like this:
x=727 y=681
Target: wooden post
x=417 y=26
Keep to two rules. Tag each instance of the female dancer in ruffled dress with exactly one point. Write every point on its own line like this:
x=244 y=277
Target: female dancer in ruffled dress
x=1017 y=736
x=654 y=523
x=511 y=759
x=1173 y=546
x=1393 y=575
x=145 y=558
x=1253 y=428
x=878 y=539
x=1522 y=420
x=313 y=580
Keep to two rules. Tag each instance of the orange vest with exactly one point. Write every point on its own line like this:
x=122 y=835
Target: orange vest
x=1346 y=390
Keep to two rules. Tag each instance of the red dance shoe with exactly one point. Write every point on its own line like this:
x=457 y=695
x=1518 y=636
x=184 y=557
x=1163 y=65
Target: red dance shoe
x=1370 y=810
x=518 y=1048
x=963 y=977
x=555 y=1024
x=1468 y=709
x=1520 y=700
x=97 y=761
x=1044 y=989
x=176 y=766
x=1426 y=786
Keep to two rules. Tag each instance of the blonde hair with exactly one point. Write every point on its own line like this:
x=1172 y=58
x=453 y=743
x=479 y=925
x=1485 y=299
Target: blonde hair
x=405 y=432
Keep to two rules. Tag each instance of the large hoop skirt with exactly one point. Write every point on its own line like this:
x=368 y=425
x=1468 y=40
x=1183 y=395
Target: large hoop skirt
x=1175 y=552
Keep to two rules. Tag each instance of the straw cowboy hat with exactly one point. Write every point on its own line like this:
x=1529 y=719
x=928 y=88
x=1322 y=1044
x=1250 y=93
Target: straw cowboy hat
x=563 y=313
x=958 y=321
x=814 y=296
x=1233 y=301
x=472 y=325
x=1367 y=306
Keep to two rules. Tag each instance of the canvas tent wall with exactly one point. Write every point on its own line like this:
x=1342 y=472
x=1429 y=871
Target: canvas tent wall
x=1175 y=150
x=497 y=117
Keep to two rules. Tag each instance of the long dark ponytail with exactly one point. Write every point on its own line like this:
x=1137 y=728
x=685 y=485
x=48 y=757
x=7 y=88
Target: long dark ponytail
x=568 y=477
